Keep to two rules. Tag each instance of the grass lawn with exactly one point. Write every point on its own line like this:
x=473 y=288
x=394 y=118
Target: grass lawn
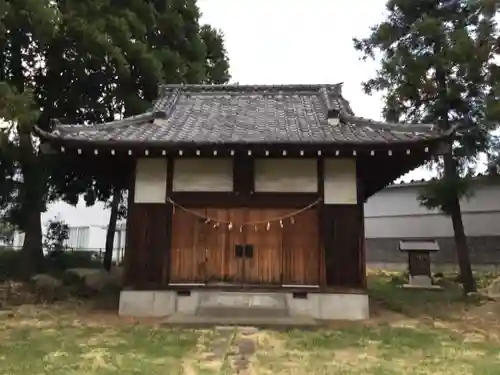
x=387 y=350
x=56 y=342
x=411 y=332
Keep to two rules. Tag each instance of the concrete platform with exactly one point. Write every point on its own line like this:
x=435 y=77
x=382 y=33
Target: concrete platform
x=254 y=305
x=223 y=306
x=199 y=321
x=427 y=287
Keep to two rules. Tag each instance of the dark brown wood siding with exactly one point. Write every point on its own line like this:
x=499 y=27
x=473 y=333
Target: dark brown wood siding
x=201 y=252
x=148 y=242
x=301 y=252
x=343 y=239
x=188 y=252
x=217 y=240
x=265 y=266
x=292 y=254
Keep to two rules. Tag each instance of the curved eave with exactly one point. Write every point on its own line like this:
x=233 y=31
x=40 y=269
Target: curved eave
x=134 y=144
x=392 y=126
x=67 y=136
x=77 y=128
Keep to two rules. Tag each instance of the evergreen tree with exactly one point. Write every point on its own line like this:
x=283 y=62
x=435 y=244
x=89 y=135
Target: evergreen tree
x=437 y=66
x=90 y=61
x=216 y=62
x=26 y=27
x=170 y=47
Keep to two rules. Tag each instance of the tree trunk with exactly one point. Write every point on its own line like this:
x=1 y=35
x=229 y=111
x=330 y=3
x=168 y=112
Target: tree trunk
x=466 y=277
x=31 y=203
x=110 y=234
x=31 y=252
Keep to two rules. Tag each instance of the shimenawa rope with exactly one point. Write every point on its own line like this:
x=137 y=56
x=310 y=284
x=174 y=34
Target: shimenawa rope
x=209 y=219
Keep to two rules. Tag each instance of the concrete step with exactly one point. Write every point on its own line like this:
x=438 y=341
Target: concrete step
x=243 y=300
x=249 y=312
x=197 y=321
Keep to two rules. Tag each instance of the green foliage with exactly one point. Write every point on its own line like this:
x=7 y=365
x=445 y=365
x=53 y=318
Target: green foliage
x=385 y=292
x=55 y=263
x=124 y=52
x=57 y=233
x=16 y=107
x=436 y=194
x=87 y=61
x=216 y=63
x=438 y=66
x=6 y=231
x=9 y=260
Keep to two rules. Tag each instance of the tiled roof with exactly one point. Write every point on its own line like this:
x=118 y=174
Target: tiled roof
x=215 y=114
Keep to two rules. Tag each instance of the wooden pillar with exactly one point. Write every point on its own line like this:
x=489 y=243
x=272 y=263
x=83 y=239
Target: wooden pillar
x=362 y=245
x=128 y=257
x=149 y=222
x=169 y=223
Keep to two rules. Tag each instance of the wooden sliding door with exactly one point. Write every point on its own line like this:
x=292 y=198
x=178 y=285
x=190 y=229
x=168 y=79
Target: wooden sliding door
x=267 y=253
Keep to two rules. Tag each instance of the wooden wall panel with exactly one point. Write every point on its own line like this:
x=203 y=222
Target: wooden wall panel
x=265 y=266
x=343 y=241
x=217 y=242
x=286 y=175
x=234 y=271
x=204 y=253
x=187 y=260
x=150 y=180
x=340 y=181
x=203 y=175
x=147 y=244
x=301 y=263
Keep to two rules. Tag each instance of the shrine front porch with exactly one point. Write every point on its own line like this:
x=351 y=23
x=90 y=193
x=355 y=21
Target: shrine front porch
x=227 y=304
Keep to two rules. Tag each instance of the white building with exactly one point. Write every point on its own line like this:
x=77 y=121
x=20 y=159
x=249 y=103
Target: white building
x=395 y=213
x=87 y=227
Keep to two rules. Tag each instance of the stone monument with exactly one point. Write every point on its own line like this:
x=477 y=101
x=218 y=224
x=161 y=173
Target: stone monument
x=419 y=262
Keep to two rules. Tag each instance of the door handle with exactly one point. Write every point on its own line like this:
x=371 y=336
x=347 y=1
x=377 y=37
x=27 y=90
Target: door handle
x=248 y=251
x=238 y=251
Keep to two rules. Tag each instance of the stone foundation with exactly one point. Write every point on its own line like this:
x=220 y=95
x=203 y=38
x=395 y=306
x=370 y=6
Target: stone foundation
x=327 y=306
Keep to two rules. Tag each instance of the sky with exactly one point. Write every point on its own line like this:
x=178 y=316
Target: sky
x=302 y=42
x=298 y=41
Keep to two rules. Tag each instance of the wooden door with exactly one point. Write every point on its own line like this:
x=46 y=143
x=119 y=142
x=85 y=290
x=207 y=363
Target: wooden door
x=188 y=252
x=286 y=253
x=217 y=242
x=264 y=265
x=234 y=270
x=301 y=250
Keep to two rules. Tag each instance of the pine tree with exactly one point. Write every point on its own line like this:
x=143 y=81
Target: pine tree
x=437 y=66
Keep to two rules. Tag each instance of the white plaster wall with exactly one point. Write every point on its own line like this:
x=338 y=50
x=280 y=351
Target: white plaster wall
x=95 y=217
x=203 y=174
x=395 y=212
x=340 y=181
x=151 y=180
x=97 y=238
x=79 y=215
x=286 y=175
